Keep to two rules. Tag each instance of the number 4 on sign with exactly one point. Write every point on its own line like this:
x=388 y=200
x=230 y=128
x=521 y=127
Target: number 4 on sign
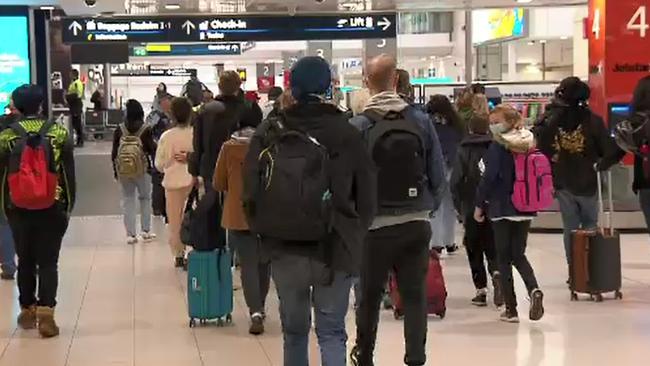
x=638 y=22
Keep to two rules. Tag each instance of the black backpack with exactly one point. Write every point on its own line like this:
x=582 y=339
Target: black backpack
x=194 y=91
x=292 y=198
x=399 y=152
x=201 y=227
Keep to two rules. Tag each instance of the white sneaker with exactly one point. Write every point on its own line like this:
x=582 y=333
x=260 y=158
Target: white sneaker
x=132 y=240
x=148 y=237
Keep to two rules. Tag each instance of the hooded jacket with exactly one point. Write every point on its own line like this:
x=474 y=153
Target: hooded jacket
x=450 y=137
x=575 y=139
x=497 y=184
x=228 y=178
x=216 y=122
x=353 y=183
x=384 y=103
x=468 y=170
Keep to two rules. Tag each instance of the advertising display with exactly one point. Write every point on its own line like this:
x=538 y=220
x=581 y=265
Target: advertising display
x=14 y=55
x=494 y=25
x=229 y=29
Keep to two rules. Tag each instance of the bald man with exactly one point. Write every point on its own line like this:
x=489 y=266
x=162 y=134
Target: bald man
x=407 y=153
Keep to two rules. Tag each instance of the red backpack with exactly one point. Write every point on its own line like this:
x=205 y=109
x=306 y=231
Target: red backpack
x=32 y=176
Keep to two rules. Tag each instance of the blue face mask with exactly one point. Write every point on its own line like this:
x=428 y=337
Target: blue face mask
x=498 y=128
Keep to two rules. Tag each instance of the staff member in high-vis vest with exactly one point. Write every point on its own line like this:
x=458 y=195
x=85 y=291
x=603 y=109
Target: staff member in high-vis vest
x=75 y=103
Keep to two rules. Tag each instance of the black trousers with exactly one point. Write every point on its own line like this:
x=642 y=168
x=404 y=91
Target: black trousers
x=404 y=248
x=511 y=239
x=38 y=236
x=77 y=124
x=479 y=241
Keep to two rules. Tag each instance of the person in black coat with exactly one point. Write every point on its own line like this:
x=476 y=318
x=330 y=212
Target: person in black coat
x=216 y=122
x=479 y=237
x=576 y=141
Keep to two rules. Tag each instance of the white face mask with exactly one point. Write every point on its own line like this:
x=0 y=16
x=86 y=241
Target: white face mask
x=498 y=128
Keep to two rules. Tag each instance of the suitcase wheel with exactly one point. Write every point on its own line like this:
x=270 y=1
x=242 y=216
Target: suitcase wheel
x=229 y=319
x=192 y=322
x=398 y=314
x=597 y=297
x=442 y=314
x=220 y=322
x=619 y=295
x=574 y=296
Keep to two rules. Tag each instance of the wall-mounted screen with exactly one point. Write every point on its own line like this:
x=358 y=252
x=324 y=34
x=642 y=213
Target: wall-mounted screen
x=14 y=55
x=494 y=25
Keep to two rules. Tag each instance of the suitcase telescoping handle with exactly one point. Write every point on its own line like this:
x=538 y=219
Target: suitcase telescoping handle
x=601 y=203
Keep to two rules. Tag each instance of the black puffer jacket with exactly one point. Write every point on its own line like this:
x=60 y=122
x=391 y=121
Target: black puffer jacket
x=353 y=182
x=467 y=172
x=214 y=125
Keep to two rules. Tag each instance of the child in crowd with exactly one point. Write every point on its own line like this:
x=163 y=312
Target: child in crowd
x=479 y=237
x=171 y=159
x=511 y=227
x=133 y=149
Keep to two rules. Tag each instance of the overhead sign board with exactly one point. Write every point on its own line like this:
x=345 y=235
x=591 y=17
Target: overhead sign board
x=229 y=29
x=195 y=49
x=132 y=69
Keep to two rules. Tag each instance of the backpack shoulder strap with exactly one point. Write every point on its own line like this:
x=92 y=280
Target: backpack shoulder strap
x=141 y=131
x=18 y=129
x=47 y=125
x=125 y=132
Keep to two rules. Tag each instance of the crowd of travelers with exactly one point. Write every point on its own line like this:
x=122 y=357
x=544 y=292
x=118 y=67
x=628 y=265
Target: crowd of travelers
x=318 y=202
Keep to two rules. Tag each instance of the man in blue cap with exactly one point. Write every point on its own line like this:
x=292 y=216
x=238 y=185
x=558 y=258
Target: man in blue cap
x=311 y=265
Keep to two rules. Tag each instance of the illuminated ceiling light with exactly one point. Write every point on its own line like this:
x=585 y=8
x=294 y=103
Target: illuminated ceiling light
x=524 y=1
x=543 y=41
x=172 y=6
x=47 y=7
x=564 y=38
x=530 y=43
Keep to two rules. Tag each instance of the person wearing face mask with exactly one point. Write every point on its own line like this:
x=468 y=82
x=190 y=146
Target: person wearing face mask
x=576 y=141
x=494 y=195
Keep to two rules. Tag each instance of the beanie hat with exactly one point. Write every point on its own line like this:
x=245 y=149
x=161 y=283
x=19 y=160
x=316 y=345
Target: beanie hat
x=310 y=76
x=573 y=91
x=28 y=98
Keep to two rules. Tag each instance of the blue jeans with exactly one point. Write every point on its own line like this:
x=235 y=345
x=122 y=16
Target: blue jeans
x=443 y=222
x=302 y=281
x=7 y=249
x=644 y=200
x=578 y=212
x=143 y=187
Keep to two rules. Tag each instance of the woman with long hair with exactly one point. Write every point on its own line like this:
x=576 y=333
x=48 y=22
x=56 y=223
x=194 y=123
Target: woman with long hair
x=450 y=132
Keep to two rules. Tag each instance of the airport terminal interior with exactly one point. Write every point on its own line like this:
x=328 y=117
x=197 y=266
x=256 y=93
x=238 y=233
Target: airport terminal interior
x=121 y=304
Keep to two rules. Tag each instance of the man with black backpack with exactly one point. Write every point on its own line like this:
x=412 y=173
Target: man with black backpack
x=37 y=161
x=407 y=153
x=216 y=122
x=309 y=194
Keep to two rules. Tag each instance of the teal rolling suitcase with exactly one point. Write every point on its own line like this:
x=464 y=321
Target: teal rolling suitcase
x=209 y=286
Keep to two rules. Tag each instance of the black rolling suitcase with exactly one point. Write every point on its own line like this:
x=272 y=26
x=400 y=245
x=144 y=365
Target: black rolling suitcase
x=596 y=256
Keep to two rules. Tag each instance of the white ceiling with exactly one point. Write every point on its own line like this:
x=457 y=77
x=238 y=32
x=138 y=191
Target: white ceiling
x=77 y=7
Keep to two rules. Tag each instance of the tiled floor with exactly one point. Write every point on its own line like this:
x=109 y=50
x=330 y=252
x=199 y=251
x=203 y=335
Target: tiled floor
x=125 y=305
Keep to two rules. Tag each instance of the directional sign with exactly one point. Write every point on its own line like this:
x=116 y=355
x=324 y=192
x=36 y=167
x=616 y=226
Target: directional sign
x=193 y=49
x=200 y=28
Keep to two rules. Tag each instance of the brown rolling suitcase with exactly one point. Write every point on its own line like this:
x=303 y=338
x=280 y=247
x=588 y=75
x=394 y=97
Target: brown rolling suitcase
x=595 y=266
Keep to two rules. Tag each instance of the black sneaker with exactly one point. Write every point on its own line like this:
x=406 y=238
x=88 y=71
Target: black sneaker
x=452 y=249
x=480 y=299
x=536 y=305
x=509 y=316
x=179 y=262
x=257 y=324
x=498 y=291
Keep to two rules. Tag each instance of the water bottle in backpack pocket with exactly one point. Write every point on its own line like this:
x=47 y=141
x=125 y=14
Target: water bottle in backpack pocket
x=533 y=188
x=32 y=177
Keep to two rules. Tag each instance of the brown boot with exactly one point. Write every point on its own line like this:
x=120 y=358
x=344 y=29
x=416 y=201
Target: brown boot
x=46 y=325
x=27 y=318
